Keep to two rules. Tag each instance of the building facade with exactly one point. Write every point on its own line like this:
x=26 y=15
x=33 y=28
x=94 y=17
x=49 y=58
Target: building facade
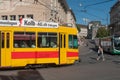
x=114 y=26
x=92 y=29
x=71 y=20
x=39 y=10
x=83 y=30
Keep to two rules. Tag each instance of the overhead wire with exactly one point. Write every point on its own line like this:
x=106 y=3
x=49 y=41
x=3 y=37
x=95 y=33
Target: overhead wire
x=91 y=14
x=97 y=3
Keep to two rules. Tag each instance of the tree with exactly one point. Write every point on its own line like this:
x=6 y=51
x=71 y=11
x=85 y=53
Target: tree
x=102 y=32
x=78 y=27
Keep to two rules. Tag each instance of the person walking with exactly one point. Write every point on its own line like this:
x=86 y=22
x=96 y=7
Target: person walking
x=20 y=21
x=100 y=53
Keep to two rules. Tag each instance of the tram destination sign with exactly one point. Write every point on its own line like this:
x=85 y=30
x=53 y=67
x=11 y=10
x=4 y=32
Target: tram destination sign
x=31 y=22
x=8 y=23
x=28 y=23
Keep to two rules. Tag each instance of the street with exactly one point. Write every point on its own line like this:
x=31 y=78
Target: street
x=41 y=39
x=88 y=69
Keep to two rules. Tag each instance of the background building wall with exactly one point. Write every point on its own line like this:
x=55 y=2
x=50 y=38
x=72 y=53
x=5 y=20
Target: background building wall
x=92 y=29
x=115 y=19
x=43 y=10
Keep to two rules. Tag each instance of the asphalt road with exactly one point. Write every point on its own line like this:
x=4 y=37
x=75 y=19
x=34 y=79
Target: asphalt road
x=87 y=69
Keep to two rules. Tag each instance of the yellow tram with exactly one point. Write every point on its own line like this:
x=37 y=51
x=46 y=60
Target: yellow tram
x=29 y=45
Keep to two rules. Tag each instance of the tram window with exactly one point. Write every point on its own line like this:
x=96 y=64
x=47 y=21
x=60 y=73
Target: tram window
x=47 y=40
x=8 y=40
x=24 y=40
x=61 y=41
x=3 y=38
x=70 y=41
x=73 y=42
x=64 y=41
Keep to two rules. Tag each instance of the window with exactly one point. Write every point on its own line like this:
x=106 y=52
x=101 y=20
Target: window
x=8 y=40
x=35 y=1
x=30 y=16
x=73 y=42
x=4 y=17
x=3 y=40
x=12 y=17
x=20 y=16
x=24 y=40
x=61 y=41
x=64 y=41
x=53 y=4
x=51 y=13
x=47 y=40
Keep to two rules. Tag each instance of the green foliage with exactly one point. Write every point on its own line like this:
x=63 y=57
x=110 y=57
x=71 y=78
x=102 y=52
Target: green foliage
x=102 y=32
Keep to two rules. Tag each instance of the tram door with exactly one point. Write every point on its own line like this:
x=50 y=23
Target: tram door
x=62 y=40
x=5 y=54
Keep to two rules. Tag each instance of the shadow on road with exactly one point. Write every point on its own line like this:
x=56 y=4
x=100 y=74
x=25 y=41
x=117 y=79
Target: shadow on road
x=23 y=75
x=93 y=58
x=116 y=61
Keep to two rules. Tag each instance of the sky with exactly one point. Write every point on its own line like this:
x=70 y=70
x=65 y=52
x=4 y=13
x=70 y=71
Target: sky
x=91 y=10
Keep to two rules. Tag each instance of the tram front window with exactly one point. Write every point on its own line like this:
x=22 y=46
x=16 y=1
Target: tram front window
x=73 y=41
x=117 y=43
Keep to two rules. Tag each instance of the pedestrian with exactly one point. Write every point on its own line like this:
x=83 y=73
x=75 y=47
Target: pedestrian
x=20 y=21
x=100 y=53
x=86 y=43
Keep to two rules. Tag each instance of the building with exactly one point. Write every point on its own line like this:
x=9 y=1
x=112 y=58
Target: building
x=39 y=10
x=83 y=30
x=82 y=34
x=92 y=29
x=71 y=18
x=114 y=26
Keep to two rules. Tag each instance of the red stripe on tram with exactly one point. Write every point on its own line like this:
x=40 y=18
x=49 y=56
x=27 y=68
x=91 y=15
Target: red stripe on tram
x=72 y=54
x=44 y=54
